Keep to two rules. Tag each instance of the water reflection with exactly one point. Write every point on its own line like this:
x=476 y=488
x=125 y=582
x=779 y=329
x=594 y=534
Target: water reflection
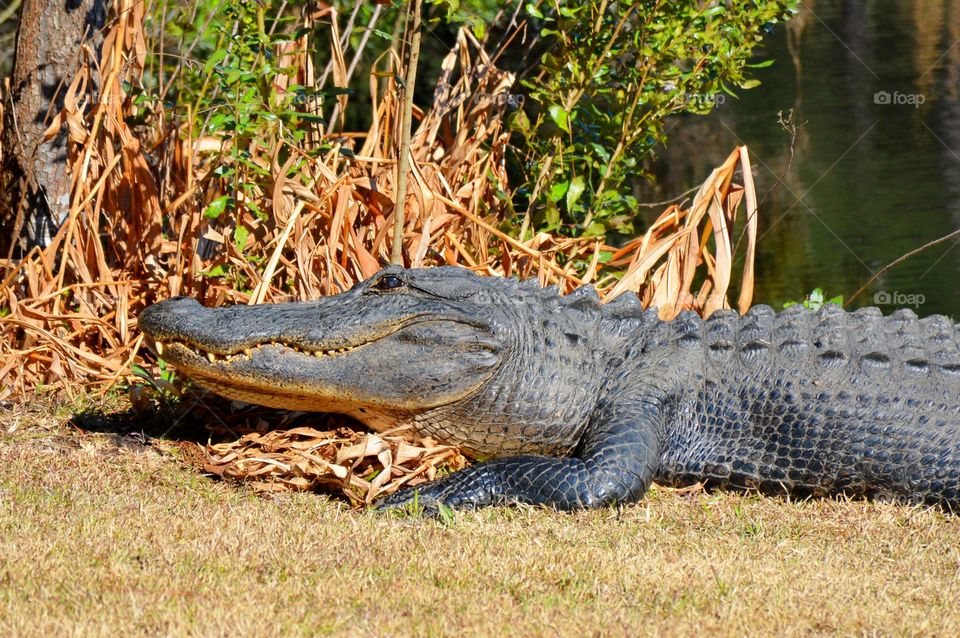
x=876 y=166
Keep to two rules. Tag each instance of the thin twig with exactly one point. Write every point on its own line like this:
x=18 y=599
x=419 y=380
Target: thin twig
x=899 y=260
x=408 y=91
x=669 y=201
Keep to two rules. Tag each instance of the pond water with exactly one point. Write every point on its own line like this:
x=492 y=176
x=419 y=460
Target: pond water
x=875 y=174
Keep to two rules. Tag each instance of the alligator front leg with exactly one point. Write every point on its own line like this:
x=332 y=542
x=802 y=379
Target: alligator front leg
x=614 y=463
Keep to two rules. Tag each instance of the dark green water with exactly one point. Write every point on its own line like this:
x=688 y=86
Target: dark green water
x=876 y=171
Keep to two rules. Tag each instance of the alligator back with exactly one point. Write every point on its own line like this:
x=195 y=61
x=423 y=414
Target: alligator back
x=817 y=403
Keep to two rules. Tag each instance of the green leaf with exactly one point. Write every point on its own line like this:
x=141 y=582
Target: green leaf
x=552 y=215
x=252 y=206
x=534 y=11
x=215 y=58
x=574 y=192
x=749 y=84
x=479 y=28
x=445 y=513
x=601 y=152
x=217 y=271
x=140 y=372
x=240 y=234
x=519 y=122
x=215 y=208
x=596 y=229
x=557 y=191
x=559 y=117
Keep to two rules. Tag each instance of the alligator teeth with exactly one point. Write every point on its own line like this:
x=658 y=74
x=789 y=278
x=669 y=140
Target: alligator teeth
x=247 y=353
x=158 y=348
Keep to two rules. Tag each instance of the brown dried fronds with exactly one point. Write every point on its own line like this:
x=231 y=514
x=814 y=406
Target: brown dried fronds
x=662 y=265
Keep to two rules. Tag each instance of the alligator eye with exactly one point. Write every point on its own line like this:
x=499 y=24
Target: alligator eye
x=389 y=282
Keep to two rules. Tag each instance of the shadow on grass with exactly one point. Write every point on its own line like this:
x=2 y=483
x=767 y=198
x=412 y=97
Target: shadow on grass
x=201 y=417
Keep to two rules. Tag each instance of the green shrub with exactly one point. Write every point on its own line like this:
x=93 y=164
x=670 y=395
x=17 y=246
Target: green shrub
x=611 y=75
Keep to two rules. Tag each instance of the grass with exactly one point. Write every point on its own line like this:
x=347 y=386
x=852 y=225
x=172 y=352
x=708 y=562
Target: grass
x=101 y=535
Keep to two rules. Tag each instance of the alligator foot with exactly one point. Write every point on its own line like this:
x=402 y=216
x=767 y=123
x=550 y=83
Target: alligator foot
x=512 y=480
x=615 y=465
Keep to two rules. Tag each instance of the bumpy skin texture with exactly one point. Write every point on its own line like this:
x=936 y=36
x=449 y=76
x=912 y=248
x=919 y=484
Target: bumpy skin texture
x=581 y=404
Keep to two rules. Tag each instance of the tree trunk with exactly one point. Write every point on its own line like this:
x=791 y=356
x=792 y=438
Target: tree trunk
x=34 y=184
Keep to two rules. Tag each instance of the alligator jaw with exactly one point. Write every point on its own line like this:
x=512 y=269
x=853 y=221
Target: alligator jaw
x=347 y=354
x=235 y=375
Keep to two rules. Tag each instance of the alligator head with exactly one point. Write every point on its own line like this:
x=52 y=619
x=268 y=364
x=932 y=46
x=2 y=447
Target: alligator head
x=402 y=340
x=470 y=360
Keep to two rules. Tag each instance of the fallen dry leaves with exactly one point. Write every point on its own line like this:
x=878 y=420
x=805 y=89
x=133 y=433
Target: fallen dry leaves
x=359 y=465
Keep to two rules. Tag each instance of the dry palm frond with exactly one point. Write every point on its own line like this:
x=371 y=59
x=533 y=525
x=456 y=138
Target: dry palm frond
x=663 y=263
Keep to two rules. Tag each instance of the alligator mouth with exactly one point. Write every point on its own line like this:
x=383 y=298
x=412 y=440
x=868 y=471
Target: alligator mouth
x=246 y=354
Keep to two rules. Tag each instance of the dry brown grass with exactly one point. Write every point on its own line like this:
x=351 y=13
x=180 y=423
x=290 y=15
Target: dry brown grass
x=102 y=536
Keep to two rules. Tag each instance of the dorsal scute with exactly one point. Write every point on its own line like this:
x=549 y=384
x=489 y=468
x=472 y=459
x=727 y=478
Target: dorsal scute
x=583 y=298
x=624 y=315
x=625 y=306
x=687 y=329
x=721 y=335
x=528 y=285
x=832 y=337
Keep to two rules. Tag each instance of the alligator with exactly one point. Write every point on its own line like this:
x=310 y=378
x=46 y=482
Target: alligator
x=574 y=404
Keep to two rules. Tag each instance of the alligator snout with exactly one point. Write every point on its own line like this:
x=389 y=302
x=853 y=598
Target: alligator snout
x=169 y=319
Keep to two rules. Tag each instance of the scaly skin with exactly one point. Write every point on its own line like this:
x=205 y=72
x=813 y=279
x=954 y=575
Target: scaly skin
x=579 y=404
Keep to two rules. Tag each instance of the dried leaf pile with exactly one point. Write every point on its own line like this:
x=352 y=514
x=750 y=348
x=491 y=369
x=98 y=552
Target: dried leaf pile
x=137 y=234
x=360 y=465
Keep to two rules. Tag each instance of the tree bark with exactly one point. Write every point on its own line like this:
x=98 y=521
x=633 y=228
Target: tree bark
x=34 y=183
